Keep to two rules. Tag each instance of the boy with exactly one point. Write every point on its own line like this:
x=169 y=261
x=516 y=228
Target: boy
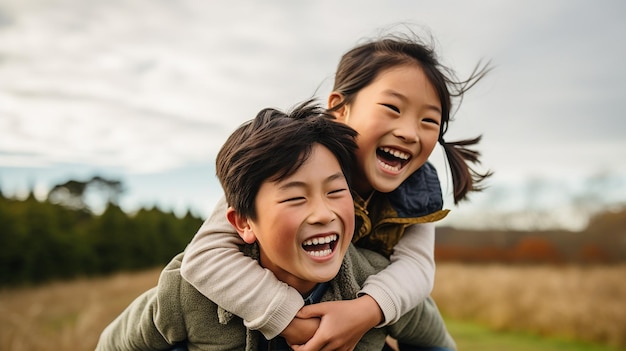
x=286 y=180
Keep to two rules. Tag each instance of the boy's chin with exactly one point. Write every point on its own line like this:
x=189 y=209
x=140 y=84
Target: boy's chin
x=325 y=275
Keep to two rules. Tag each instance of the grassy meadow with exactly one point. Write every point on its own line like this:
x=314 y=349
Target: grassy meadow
x=584 y=303
x=67 y=315
x=488 y=307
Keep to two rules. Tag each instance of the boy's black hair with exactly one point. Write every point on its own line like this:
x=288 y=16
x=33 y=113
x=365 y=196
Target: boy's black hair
x=273 y=146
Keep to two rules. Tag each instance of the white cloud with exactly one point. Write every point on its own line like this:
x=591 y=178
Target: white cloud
x=147 y=86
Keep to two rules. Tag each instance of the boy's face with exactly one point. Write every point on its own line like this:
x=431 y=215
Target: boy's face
x=397 y=116
x=304 y=222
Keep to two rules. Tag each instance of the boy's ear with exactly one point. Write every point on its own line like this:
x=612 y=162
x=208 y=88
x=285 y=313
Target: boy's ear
x=335 y=99
x=241 y=225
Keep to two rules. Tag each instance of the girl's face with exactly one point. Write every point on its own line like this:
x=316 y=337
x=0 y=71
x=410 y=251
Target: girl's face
x=398 y=117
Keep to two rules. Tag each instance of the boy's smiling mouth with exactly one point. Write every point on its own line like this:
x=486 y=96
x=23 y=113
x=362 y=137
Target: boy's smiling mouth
x=392 y=159
x=320 y=246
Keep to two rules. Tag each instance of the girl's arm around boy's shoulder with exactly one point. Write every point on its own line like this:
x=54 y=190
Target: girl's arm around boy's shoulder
x=409 y=278
x=215 y=266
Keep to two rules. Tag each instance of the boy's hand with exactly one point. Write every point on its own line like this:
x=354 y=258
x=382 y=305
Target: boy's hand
x=299 y=331
x=343 y=323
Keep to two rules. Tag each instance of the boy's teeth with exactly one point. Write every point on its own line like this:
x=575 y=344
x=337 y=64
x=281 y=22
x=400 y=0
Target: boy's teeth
x=320 y=253
x=323 y=240
x=325 y=247
x=396 y=153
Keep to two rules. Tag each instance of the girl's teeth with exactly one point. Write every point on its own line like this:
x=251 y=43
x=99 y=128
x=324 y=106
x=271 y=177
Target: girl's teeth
x=396 y=153
x=389 y=167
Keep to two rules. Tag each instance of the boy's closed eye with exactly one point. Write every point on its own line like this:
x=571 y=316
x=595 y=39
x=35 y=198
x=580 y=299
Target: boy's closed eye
x=335 y=193
x=293 y=199
x=338 y=192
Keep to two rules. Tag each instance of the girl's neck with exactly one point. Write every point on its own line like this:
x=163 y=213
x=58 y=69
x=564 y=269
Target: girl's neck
x=366 y=196
x=363 y=188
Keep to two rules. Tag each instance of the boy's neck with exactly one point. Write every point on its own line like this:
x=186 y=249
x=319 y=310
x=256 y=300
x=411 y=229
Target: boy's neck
x=315 y=295
x=304 y=287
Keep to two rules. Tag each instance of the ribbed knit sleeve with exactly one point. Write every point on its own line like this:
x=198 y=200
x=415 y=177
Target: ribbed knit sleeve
x=215 y=266
x=409 y=279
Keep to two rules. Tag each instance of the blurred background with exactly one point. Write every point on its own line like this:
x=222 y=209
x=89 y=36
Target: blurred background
x=111 y=114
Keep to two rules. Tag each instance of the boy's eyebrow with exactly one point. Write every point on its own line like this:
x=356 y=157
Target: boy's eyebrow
x=295 y=183
x=404 y=99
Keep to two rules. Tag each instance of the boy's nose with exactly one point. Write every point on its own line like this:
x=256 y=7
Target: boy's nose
x=321 y=212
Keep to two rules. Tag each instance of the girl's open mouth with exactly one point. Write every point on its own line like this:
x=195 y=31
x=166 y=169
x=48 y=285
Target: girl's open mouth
x=320 y=246
x=392 y=159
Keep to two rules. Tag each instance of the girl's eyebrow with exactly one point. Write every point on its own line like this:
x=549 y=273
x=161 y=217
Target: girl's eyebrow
x=299 y=184
x=400 y=96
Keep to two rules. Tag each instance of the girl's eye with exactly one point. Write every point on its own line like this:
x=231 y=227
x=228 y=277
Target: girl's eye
x=431 y=120
x=392 y=107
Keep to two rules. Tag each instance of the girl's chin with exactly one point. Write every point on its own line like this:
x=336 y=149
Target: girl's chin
x=386 y=186
x=385 y=182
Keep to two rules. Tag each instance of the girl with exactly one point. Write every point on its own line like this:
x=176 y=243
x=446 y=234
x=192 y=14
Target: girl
x=397 y=96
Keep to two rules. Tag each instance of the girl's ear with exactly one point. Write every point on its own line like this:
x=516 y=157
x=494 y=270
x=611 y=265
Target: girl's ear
x=335 y=99
x=241 y=225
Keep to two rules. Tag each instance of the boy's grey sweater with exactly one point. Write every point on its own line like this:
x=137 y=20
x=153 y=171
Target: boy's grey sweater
x=175 y=311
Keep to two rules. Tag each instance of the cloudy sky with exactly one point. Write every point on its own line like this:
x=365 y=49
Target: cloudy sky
x=146 y=91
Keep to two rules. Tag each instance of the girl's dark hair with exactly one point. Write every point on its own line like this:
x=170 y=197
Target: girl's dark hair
x=273 y=146
x=361 y=65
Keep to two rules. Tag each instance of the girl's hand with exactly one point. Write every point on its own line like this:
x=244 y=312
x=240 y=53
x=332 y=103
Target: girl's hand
x=343 y=323
x=299 y=331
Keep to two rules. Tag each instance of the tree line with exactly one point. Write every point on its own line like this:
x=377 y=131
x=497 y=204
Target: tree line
x=62 y=238
x=602 y=242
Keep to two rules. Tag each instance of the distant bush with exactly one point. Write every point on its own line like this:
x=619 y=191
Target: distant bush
x=41 y=240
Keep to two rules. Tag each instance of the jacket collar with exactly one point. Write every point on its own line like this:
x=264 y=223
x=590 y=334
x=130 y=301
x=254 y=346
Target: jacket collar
x=418 y=196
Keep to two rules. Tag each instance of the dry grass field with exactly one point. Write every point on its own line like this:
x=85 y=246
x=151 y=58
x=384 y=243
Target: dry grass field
x=67 y=315
x=576 y=302
x=573 y=302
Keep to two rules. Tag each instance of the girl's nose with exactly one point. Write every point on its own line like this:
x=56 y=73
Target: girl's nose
x=406 y=130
